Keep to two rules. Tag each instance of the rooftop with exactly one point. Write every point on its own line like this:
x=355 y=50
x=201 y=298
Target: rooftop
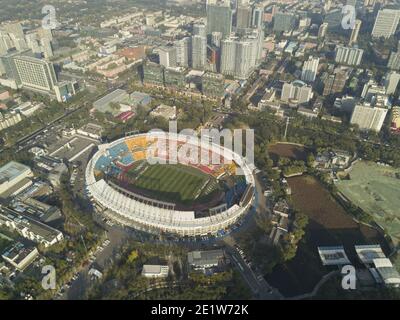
x=12 y=170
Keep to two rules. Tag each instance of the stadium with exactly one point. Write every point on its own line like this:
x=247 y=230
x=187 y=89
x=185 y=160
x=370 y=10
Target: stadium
x=136 y=184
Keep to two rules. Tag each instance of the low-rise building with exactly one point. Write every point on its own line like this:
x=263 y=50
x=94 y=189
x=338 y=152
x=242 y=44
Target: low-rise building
x=201 y=260
x=155 y=271
x=14 y=177
x=19 y=256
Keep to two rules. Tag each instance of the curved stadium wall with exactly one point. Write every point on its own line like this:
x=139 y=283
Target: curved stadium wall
x=144 y=214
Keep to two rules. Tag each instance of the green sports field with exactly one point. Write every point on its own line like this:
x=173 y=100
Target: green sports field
x=375 y=189
x=176 y=183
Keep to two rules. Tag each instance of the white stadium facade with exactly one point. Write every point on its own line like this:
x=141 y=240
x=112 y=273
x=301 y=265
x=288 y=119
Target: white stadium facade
x=150 y=215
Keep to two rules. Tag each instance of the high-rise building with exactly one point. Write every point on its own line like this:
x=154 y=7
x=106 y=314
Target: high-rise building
x=284 y=22
x=219 y=18
x=35 y=74
x=167 y=56
x=391 y=81
x=9 y=66
x=243 y=16
x=394 y=61
x=199 y=30
x=348 y=55
x=368 y=117
x=216 y=38
x=323 y=28
x=310 y=69
x=240 y=55
x=386 y=23
x=355 y=32
x=257 y=16
x=213 y=59
x=296 y=92
x=335 y=82
x=184 y=52
x=175 y=77
x=334 y=19
x=199 y=52
x=213 y=84
x=5 y=42
x=153 y=74
x=16 y=33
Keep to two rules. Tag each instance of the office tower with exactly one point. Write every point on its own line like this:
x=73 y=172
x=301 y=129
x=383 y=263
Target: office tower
x=216 y=38
x=391 y=81
x=199 y=52
x=35 y=74
x=394 y=61
x=323 y=28
x=213 y=59
x=284 y=22
x=219 y=18
x=349 y=56
x=184 y=52
x=167 y=56
x=243 y=16
x=386 y=23
x=175 y=77
x=153 y=74
x=355 y=32
x=257 y=17
x=368 y=117
x=334 y=19
x=213 y=85
x=199 y=30
x=310 y=69
x=296 y=92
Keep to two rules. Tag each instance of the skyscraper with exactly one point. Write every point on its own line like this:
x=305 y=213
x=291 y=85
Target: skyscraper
x=257 y=16
x=216 y=38
x=355 y=32
x=219 y=18
x=310 y=69
x=199 y=30
x=243 y=16
x=386 y=23
x=199 y=52
x=184 y=52
x=240 y=55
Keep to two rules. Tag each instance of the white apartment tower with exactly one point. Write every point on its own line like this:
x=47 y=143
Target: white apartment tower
x=386 y=23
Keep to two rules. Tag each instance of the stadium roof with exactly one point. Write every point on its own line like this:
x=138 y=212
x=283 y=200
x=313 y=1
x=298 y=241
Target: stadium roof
x=333 y=256
x=367 y=253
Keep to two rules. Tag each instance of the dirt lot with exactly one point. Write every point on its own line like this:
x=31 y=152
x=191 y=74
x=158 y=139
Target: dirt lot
x=291 y=151
x=328 y=225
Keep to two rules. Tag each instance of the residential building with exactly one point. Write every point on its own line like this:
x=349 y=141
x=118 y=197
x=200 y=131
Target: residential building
x=368 y=117
x=394 y=61
x=167 y=56
x=296 y=92
x=391 y=81
x=323 y=28
x=199 y=52
x=386 y=23
x=349 y=56
x=310 y=69
x=243 y=16
x=184 y=52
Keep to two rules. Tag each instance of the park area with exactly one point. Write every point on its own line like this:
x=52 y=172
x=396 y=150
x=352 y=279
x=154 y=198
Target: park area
x=329 y=225
x=287 y=150
x=375 y=189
